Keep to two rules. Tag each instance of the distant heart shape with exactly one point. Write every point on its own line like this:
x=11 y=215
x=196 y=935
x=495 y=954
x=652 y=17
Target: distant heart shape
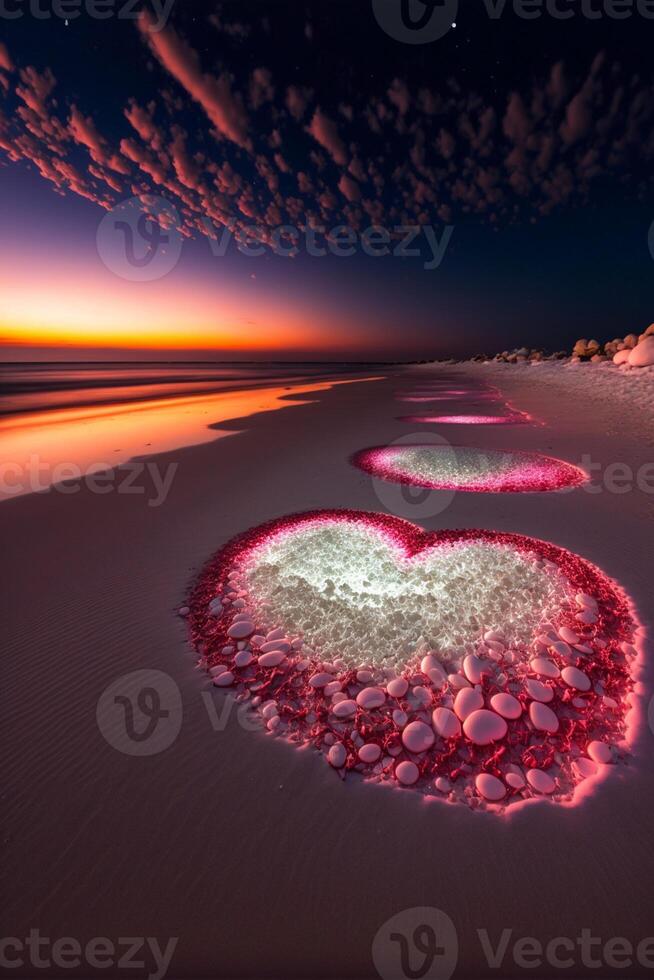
x=480 y=667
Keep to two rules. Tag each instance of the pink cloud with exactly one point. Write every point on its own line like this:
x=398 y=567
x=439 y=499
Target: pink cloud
x=222 y=106
x=325 y=131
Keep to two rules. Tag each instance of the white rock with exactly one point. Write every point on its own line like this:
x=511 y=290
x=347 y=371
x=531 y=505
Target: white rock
x=621 y=356
x=506 y=705
x=344 y=709
x=369 y=753
x=541 y=781
x=370 y=697
x=538 y=691
x=474 y=668
x=445 y=722
x=269 y=710
x=576 y=678
x=276 y=634
x=364 y=676
x=272 y=659
x=400 y=718
x=562 y=648
x=544 y=667
x=458 y=681
x=407 y=773
x=241 y=629
x=272 y=646
x=494 y=636
x=334 y=687
x=584 y=767
x=483 y=727
x=243 y=658
x=543 y=718
x=588 y=617
x=432 y=668
x=418 y=737
x=514 y=780
x=442 y=784
x=568 y=635
x=467 y=700
x=643 y=354
x=183 y=611
x=600 y=752
x=337 y=755
x=398 y=687
x=320 y=680
x=215 y=607
x=218 y=669
x=490 y=787
x=421 y=694
x=224 y=680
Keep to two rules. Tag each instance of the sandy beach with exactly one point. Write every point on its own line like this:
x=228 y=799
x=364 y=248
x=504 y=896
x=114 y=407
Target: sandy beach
x=256 y=855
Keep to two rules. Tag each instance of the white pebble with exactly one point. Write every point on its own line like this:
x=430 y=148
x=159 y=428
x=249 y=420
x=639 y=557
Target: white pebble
x=442 y=784
x=418 y=737
x=407 y=773
x=345 y=709
x=514 y=780
x=445 y=722
x=332 y=688
x=371 y=697
x=490 y=787
x=320 y=680
x=272 y=659
x=337 y=755
x=224 y=679
x=283 y=645
x=400 y=718
x=544 y=667
x=467 y=701
x=369 y=753
x=398 y=687
x=364 y=676
x=568 y=635
x=600 y=752
x=218 y=669
x=483 y=727
x=543 y=718
x=243 y=658
x=584 y=767
x=576 y=678
x=475 y=668
x=541 y=781
x=506 y=705
x=538 y=691
x=240 y=630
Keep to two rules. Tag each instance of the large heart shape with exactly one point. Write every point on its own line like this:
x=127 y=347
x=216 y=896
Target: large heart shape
x=465 y=468
x=482 y=667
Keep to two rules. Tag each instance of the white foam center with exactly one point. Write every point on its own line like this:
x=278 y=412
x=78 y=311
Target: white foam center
x=352 y=593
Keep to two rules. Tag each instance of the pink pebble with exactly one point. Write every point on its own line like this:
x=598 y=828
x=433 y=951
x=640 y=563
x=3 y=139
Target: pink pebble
x=543 y=718
x=400 y=718
x=568 y=635
x=344 y=709
x=371 y=697
x=418 y=737
x=273 y=645
x=364 y=676
x=337 y=755
x=584 y=767
x=243 y=658
x=406 y=773
x=600 y=752
x=483 y=727
x=514 y=780
x=474 y=668
x=332 y=688
x=241 y=629
x=490 y=787
x=224 y=679
x=320 y=680
x=538 y=691
x=544 y=667
x=506 y=705
x=369 y=753
x=576 y=678
x=442 y=784
x=218 y=669
x=541 y=781
x=445 y=722
x=272 y=659
x=467 y=700
x=398 y=687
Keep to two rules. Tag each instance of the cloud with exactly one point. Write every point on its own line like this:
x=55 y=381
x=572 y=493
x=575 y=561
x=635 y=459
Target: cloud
x=224 y=108
x=325 y=131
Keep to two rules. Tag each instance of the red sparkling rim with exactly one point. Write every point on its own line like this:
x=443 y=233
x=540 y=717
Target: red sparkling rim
x=533 y=472
x=305 y=712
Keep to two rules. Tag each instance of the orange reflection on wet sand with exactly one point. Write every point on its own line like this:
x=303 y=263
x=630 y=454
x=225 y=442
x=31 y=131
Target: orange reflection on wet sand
x=44 y=448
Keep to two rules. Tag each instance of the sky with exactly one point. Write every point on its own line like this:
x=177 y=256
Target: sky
x=280 y=180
